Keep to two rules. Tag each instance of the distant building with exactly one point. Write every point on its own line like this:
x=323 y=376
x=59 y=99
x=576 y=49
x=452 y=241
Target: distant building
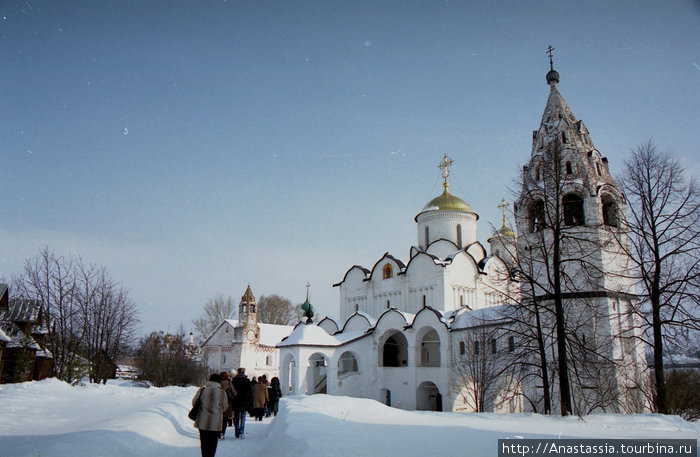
x=23 y=352
x=245 y=342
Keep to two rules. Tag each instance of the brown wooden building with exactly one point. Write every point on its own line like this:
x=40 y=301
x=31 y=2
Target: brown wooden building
x=23 y=352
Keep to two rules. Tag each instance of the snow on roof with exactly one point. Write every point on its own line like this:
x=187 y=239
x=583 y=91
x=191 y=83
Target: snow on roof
x=270 y=334
x=372 y=321
x=21 y=310
x=312 y=335
x=408 y=316
x=20 y=340
x=4 y=337
x=480 y=317
x=44 y=353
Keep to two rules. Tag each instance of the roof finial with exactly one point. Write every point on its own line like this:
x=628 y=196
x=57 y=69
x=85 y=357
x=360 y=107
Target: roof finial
x=552 y=76
x=503 y=206
x=307 y=307
x=445 y=164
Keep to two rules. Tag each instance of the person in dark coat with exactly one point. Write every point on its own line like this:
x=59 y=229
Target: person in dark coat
x=274 y=393
x=242 y=401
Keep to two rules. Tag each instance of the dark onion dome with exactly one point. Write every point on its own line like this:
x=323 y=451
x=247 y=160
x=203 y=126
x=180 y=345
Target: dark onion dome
x=552 y=75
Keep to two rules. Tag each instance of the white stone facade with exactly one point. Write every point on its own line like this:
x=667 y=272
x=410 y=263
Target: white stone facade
x=408 y=332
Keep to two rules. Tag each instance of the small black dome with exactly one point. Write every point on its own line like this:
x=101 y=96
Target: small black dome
x=552 y=76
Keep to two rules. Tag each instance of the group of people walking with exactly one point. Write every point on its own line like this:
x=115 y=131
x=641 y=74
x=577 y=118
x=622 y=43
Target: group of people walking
x=225 y=400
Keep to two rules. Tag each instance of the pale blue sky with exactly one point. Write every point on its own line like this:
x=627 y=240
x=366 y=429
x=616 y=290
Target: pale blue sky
x=195 y=147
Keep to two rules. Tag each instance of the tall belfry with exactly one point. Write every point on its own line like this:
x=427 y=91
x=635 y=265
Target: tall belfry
x=570 y=212
x=248 y=316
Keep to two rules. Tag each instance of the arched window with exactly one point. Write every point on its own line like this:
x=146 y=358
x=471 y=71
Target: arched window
x=511 y=343
x=610 y=211
x=268 y=360
x=241 y=309
x=347 y=363
x=252 y=308
x=459 y=236
x=573 y=209
x=462 y=348
x=430 y=349
x=395 y=351
x=536 y=216
x=388 y=271
x=427 y=236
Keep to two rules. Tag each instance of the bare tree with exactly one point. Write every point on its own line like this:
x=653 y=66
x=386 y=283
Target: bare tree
x=87 y=312
x=163 y=360
x=216 y=310
x=484 y=372
x=664 y=229
x=50 y=279
x=274 y=309
x=109 y=318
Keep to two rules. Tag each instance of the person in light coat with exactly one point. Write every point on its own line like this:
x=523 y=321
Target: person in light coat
x=259 y=399
x=213 y=402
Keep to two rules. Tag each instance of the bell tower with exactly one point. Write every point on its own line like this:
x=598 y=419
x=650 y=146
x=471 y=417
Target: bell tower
x=248 y=316
x=570 y=223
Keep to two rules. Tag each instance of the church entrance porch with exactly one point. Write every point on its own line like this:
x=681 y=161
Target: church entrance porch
x=428 y=397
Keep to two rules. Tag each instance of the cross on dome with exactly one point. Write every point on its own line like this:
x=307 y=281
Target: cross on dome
x=550 y=49
x=552 y=76
x=445 y=164
x=503 y=206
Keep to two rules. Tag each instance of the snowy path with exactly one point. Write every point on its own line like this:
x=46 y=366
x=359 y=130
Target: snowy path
x=52 y=419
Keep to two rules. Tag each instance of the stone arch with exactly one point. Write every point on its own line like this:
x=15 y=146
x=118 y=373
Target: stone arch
x=535 y=215
x=428 y=347
x=394 y=351
x=317 y=374
x=428 y=397
x=573 y=209
x=348 y=363
x=288 y=375
x=610 y=210
x=385 y=396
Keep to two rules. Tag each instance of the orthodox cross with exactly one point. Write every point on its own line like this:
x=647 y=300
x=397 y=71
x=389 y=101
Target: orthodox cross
x=549 y=52
x=503 y=206
x=307 y=289
x=445 y=164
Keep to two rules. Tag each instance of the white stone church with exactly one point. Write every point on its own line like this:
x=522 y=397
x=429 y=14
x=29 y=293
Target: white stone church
x=407 y=328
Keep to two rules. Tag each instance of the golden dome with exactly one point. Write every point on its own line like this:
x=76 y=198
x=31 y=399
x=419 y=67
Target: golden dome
x=447 y=202
x=504 y=231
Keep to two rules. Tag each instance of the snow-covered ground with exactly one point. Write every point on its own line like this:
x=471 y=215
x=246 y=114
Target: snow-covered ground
x=53 y=419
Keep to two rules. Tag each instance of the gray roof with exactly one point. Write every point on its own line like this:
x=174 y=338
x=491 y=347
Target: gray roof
x=17 y=339
x=21 y=310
